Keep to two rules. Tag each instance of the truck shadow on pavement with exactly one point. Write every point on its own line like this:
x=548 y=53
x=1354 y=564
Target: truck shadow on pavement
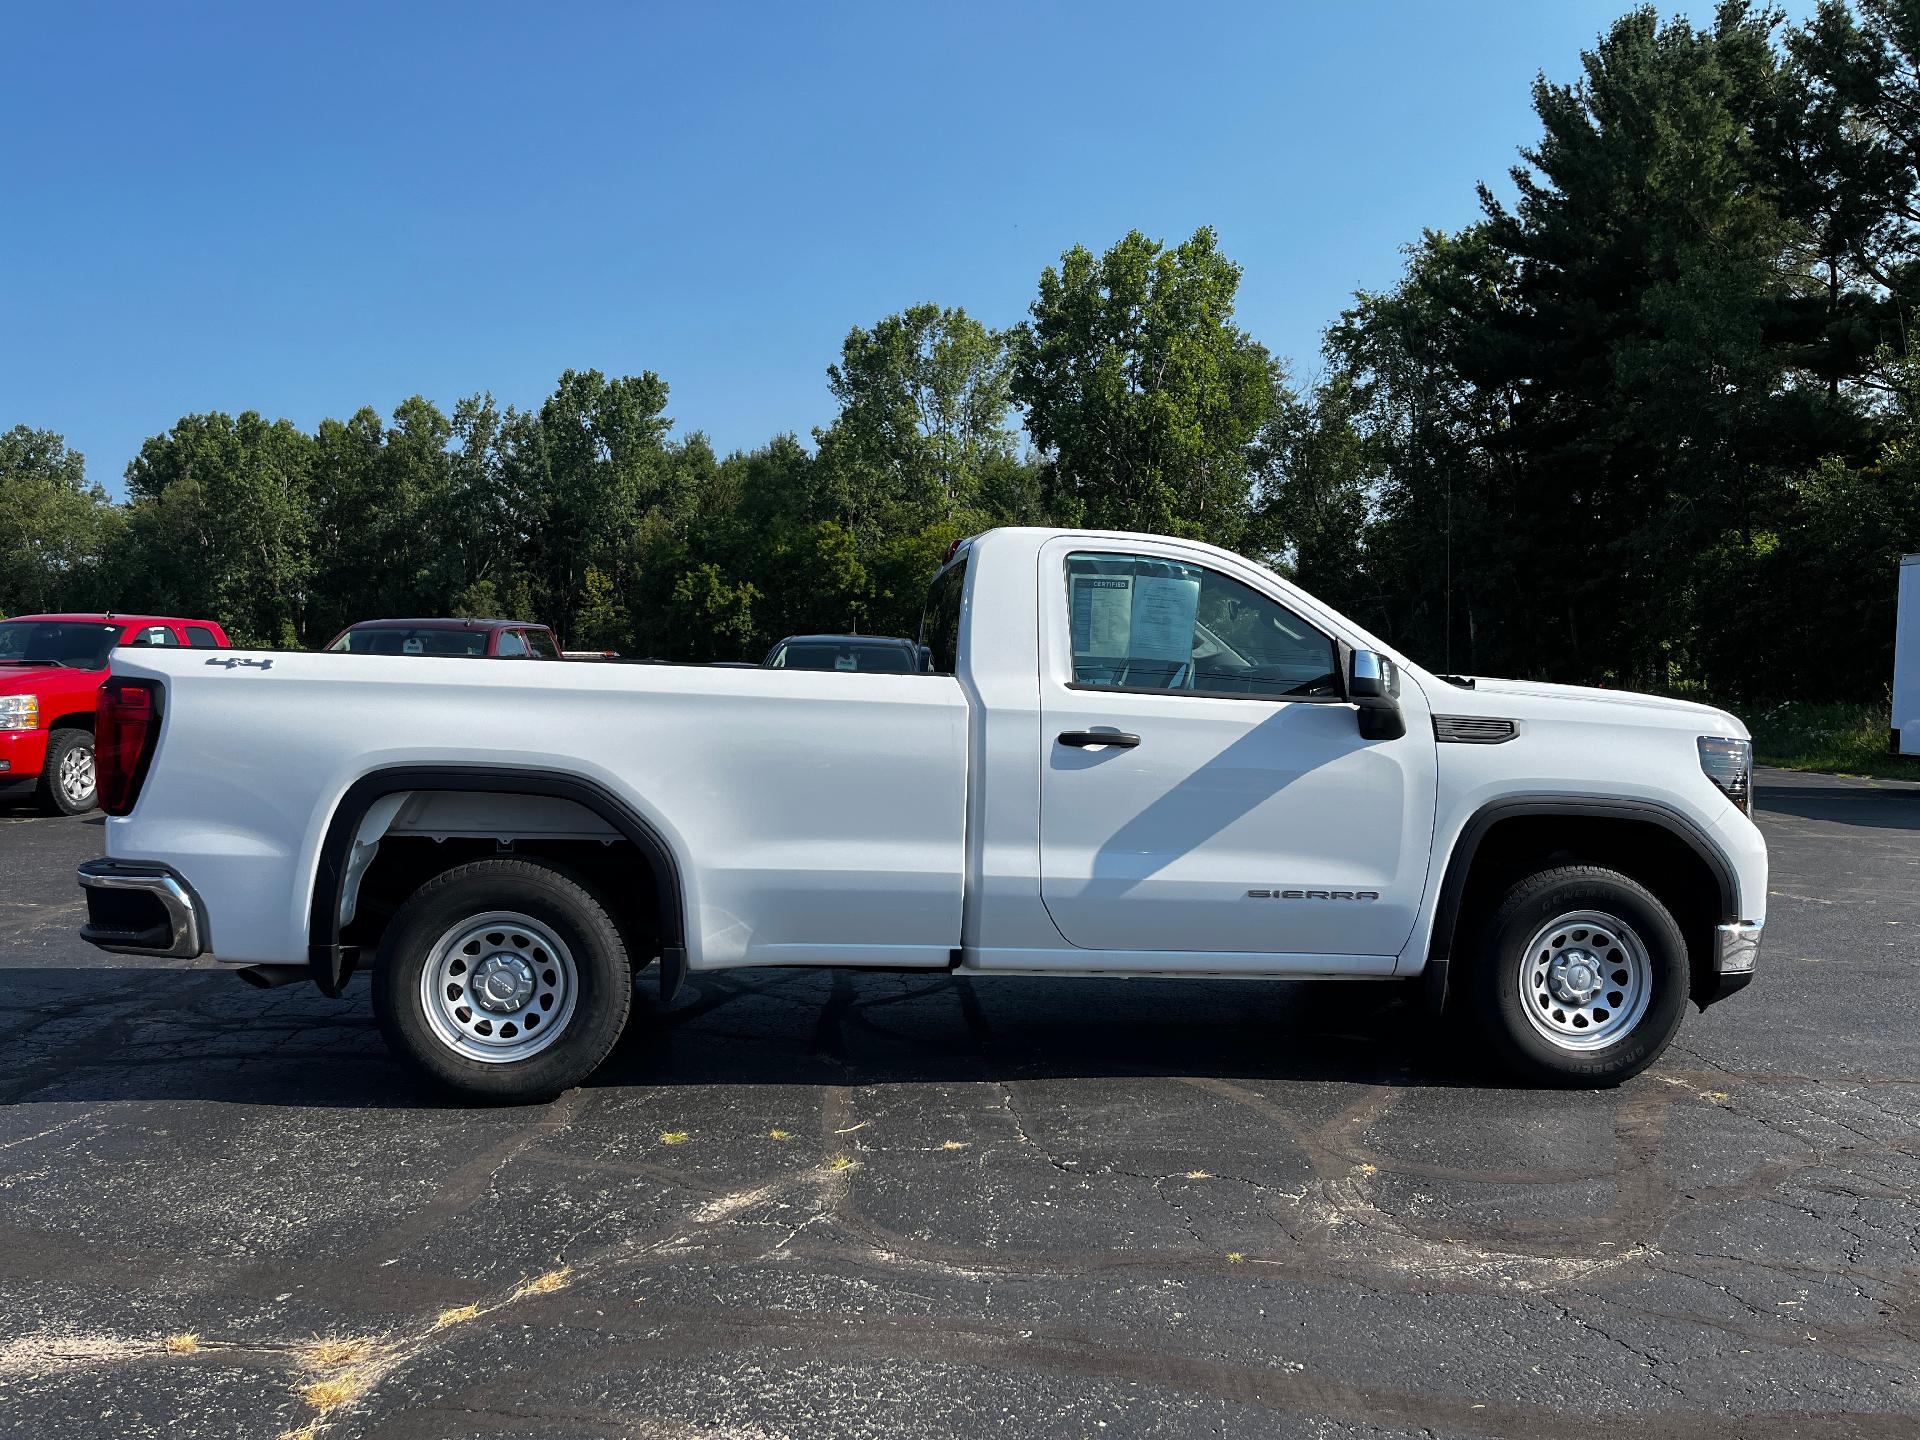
x=1892 y=807
x=850 y=1028
x=130 y=1032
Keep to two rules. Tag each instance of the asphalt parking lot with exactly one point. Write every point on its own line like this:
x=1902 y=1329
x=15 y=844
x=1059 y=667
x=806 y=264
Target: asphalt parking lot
x=803 y=1204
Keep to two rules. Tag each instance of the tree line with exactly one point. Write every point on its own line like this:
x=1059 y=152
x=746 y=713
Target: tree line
x=1649 y=423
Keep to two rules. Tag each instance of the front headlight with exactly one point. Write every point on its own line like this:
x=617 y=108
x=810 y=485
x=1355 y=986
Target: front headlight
x=1729 y=764
x=19 y=712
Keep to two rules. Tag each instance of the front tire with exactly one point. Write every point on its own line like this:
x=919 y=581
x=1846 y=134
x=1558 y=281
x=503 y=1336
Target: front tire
x=67 y=784
x=503 y=981
x=1580 y=979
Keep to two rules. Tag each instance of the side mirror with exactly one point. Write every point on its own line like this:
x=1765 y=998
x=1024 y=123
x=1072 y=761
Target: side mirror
x=1373 y=686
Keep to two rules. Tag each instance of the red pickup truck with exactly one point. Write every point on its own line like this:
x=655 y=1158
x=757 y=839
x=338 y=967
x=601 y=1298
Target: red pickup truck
x=51 y=670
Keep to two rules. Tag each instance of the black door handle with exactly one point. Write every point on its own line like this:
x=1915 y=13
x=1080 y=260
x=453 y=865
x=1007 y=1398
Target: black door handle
x=1117 y=738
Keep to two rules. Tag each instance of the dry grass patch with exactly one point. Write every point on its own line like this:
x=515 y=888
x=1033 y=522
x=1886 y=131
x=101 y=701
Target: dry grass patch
x=186 y=1343
x=458 y=1315
x=335 y=1390
x=546 y=1284
x=675 y=1137
x=335 y=1351
x=350 y=1365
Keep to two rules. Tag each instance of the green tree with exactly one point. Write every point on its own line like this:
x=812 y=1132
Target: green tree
x=1315 y=469
x=54 y=525
x=1142 y=395
x=480 y=529
x=589 y=465
x=218 y=524
x=897 y=575
x=712 y=616
x=350 y=526
x=923 y=419
x=1656 y=407
x=380 y=498
x=1850 y=161
x=1419 y=380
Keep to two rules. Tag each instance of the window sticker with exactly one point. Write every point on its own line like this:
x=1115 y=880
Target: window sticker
x=1164 y=608
x=414 y=645
x=1102 y=614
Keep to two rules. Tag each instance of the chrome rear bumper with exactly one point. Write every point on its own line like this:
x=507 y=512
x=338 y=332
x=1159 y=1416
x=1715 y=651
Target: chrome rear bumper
x=136 y=908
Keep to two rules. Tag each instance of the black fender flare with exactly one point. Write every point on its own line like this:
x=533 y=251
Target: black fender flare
x=1460 y=861
x=332 y=963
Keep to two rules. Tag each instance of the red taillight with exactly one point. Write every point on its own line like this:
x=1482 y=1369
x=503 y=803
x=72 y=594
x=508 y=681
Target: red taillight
x=125 y=725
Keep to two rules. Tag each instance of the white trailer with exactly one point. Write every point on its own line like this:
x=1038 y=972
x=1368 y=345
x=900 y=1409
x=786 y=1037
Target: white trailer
x=1906 y=661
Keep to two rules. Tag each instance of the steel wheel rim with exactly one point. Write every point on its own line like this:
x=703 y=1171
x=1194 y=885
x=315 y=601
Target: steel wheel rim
x=499 y=987
x=75 y=777
x=1585 y=980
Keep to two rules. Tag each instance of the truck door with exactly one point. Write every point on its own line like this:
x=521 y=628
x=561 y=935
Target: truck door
x=1238 y=809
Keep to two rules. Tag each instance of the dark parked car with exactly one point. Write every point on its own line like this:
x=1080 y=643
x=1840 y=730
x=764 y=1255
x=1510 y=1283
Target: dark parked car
x=880 y=653
x=491 y=639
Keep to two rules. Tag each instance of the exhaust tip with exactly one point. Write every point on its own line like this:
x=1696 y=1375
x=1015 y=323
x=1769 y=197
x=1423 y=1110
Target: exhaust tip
x=271 y=977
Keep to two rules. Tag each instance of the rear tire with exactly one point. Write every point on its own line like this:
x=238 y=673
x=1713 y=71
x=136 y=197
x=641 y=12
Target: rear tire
x=503 y=981
x=67 y=785
x=1580 y=978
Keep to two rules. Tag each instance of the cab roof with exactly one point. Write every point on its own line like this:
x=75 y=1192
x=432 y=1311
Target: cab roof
x=845 y=640
x=444 y=622
x=115 y=617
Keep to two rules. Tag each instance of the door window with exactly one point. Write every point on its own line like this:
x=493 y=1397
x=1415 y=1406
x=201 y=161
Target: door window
x=201 y=638
x=540 y=645
x=511 y=645
x=1140 y=622
x=153 y=635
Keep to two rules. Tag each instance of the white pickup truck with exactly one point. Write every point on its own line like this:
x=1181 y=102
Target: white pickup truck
x=1135 y=756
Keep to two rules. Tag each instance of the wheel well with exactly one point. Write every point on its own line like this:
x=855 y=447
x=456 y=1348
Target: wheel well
x=77 y=720
x=1658 y=857
x=614 y=870
x=395 y=829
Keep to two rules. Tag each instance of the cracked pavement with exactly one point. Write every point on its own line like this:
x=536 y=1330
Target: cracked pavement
x=852 y=1205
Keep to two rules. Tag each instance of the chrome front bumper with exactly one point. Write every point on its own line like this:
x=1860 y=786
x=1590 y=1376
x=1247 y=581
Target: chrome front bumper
x=1736 y=947
x=141 y=909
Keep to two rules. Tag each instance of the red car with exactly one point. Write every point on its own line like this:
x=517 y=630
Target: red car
x=491 y=639
x=51 y=670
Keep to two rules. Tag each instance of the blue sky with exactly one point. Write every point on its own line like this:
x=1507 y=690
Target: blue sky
x=302 y=213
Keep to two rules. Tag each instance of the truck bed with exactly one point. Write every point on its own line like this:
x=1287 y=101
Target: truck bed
x=770 y=787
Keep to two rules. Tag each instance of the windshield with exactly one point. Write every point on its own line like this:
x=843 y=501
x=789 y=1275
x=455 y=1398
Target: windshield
x=81 y=644
x=842 y=655
x=397 y=640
